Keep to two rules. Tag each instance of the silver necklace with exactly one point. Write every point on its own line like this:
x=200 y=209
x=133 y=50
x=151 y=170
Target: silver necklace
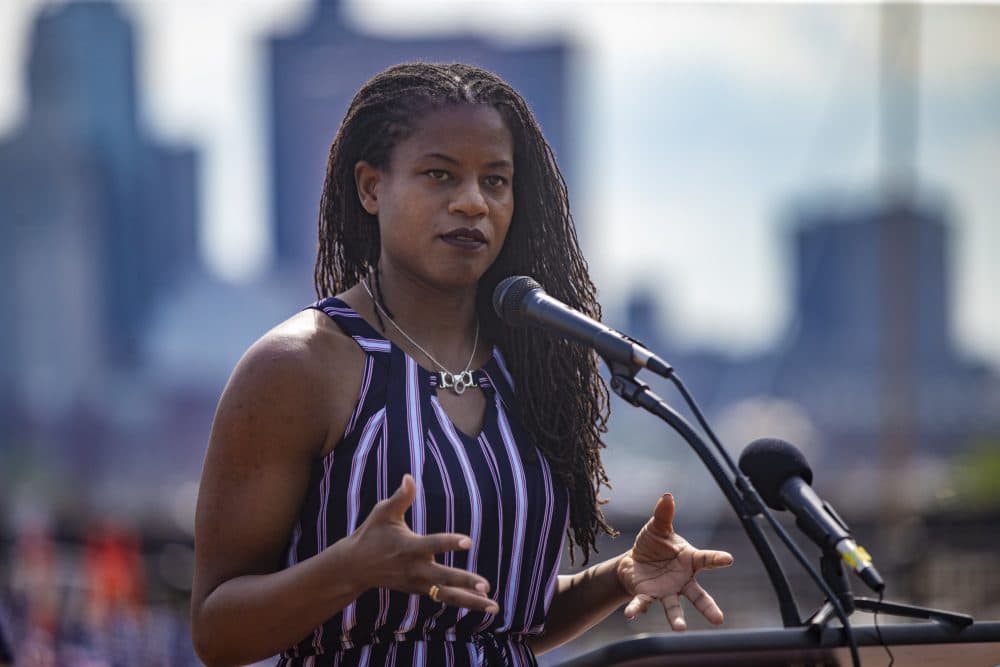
x=457 y=382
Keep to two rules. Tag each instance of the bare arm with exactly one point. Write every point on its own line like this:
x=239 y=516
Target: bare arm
x=581 y=601
x=276 y=416
x=268 y=430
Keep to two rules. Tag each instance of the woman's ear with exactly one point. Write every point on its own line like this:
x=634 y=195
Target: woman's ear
x=366 y=178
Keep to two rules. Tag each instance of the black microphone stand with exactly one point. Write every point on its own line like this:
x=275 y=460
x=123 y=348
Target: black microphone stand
x=747 y=503
x=742 y=496
x=744 y=502
x=832 y=568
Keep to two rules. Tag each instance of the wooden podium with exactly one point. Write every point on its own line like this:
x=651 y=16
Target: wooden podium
x=912 y=645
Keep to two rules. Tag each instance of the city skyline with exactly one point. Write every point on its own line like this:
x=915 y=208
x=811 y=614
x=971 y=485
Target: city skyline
x=122 y=330
x=715 y=182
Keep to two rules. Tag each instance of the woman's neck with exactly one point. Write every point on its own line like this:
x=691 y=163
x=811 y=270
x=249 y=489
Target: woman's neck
x=441 y=321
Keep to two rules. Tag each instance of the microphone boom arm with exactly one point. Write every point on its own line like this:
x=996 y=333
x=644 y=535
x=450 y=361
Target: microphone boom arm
x=520 y=301
x=635 y=391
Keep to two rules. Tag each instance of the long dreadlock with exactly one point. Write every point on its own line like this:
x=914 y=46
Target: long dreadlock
x=563 y=401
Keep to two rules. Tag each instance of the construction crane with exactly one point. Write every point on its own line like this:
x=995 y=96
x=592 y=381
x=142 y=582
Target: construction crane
x=899 y=36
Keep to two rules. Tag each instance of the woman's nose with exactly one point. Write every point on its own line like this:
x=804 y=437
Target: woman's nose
x=468 y=200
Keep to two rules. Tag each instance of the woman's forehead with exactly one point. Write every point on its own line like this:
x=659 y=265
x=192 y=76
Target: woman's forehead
x=463 y=129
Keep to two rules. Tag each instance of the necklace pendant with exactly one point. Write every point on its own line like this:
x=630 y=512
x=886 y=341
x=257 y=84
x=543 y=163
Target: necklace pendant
x=457 y=382
x=463 y=381
x=447 y=380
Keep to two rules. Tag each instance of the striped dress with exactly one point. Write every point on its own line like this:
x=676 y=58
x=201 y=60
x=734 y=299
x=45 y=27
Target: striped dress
x=497 y=488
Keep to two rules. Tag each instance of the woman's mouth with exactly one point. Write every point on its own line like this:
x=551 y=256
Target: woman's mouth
x=466 y=238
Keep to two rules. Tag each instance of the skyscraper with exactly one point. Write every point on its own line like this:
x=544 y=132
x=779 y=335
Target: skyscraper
x=96 y=220
x=838 y=300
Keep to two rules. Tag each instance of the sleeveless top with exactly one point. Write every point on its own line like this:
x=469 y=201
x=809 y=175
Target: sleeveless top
x=497 y=488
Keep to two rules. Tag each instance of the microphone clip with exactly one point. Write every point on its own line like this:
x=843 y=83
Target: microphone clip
x=625 y=383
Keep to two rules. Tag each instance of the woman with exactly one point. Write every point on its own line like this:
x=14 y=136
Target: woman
x=391 y=472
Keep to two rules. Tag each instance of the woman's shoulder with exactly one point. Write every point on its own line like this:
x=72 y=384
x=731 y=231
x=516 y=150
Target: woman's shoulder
x=305 y=365
x=309 y=338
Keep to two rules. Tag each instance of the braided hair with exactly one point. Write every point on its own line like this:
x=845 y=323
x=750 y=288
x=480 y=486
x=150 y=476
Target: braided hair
x=563 y=400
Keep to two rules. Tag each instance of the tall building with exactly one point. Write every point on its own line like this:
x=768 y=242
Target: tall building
x=96 y=219
x=848 y=359
x=839 y=270
x=315 y=73
x=832 y=362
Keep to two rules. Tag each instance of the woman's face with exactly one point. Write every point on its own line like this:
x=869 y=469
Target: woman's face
x=444 y=201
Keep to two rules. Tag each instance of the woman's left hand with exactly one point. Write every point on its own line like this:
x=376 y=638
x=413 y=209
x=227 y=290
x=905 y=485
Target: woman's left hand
x=661 y=565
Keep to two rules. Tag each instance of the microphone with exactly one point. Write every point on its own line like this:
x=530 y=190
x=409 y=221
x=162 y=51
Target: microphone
x=782 y=476
x=520 y=301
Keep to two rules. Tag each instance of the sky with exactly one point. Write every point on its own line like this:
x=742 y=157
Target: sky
x=696 y=129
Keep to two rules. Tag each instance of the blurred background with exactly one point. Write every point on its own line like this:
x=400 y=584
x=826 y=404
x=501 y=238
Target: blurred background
x=797 y=205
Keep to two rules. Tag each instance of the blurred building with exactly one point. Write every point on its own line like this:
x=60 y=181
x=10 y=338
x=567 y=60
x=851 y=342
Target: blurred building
x=837 y=296
x=315 y=73
x=831 y=361
x=97 y=220
x=834 y=360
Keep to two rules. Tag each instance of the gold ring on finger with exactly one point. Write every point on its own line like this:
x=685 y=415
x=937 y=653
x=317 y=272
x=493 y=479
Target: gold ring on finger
x=433 y=593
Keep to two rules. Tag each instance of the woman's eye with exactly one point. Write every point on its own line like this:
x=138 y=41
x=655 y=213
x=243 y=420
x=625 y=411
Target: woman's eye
x=495 y=181
x=437 y=174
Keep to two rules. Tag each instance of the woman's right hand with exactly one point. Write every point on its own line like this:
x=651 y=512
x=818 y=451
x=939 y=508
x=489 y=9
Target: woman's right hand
x=392 y=556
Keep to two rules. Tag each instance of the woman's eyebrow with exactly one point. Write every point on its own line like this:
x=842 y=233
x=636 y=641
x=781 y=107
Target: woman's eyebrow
x=495 y=164
x=441 y=156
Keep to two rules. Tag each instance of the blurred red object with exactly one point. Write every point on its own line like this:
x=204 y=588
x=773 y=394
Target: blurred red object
x=113 y=572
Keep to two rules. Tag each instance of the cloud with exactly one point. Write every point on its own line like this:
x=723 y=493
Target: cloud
x=776 y=47
x=959 y=50
x=15 y=33
x=965 y=169
x=717 y=263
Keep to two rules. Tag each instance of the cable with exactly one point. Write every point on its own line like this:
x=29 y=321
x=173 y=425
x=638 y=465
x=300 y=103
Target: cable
x=878 y=630
x=689 y=399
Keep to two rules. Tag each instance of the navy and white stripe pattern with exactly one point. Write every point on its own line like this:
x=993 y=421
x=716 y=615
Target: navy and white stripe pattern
x=495 y=487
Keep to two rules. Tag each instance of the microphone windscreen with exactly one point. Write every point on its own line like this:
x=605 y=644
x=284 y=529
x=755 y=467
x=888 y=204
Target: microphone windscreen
x=508 y=298
x=769 y=463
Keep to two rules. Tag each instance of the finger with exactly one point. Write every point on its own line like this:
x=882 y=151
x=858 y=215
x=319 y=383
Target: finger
x=459 y=597
x=675 y=613
x=638 y=605
x=456 y=578
x=703 y=602
x=663 y=515
x=439 y=543
x=400 y=501
x=709 y=559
